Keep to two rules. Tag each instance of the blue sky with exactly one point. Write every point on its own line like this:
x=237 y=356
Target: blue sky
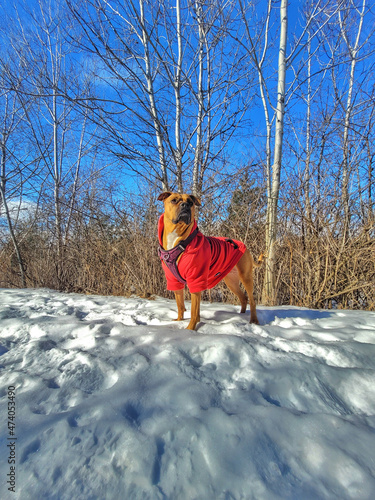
x=246 y=145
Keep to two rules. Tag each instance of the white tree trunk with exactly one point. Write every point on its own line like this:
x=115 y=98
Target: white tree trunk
x=269 y=290
x=151 y=95
x=308 y=138
x=353 y=52
x=57 y=182
x=3 y=200
x=177 y=91
x=199 y=133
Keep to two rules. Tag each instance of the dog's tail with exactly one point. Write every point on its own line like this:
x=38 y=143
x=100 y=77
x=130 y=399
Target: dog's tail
x=260 y=260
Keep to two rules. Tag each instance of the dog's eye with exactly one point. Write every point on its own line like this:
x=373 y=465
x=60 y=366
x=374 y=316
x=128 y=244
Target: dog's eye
x=174 y=201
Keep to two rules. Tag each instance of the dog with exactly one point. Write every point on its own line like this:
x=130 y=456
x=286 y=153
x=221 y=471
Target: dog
x=200 y=262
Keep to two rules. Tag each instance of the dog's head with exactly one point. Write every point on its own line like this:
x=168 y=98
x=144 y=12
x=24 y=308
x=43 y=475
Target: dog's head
x=179 y=207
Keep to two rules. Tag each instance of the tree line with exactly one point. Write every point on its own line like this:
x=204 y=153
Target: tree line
x=263 y=110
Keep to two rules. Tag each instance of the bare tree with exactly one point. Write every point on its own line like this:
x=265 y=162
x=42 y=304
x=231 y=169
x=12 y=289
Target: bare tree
x=60 y=134
x=170 y=82
x=293 y=56
x=12 y=116
x=273 y=171
x=220 y=88
x=269 y=290
x=353 y=48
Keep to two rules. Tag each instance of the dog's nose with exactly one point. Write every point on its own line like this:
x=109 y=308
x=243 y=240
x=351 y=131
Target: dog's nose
x=184 y=204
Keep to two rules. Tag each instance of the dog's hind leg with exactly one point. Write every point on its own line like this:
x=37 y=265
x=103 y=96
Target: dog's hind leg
x=245 y=271
x=232 y=280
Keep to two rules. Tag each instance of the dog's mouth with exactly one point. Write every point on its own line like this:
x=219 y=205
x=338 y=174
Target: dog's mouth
x=183 y=216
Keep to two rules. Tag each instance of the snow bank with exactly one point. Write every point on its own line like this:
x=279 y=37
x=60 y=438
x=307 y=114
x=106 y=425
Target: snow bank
x=114 y=400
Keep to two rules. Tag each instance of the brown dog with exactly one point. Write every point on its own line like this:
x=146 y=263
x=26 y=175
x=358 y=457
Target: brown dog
x=202 y=261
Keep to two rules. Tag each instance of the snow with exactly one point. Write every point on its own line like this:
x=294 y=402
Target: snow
x=115 y=400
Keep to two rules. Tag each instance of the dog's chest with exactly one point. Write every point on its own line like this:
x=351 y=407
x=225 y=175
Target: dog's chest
x=172 y=239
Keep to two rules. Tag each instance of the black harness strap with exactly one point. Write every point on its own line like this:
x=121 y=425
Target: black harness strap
x=169 y=257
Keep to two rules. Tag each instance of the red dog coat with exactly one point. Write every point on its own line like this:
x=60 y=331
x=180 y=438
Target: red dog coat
x=205 y=261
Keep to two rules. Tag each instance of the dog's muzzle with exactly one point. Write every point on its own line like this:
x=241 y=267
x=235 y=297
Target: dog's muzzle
x=184 y=215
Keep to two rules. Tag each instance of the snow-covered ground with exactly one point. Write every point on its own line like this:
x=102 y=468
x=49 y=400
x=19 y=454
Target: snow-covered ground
x=114 y=400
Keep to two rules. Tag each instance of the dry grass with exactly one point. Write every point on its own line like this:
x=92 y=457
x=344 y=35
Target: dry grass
x=318 y=271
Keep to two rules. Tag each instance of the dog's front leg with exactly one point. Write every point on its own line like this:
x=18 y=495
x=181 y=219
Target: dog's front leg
x=179 y=295
x=195 y=310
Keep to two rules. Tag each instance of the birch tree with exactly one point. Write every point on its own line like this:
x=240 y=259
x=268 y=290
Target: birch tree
x=18 y=164
x=292 y=55
x=121 y=42
x=219 y=88
x=272 y=169
x=174 y=97
x=269 y=290
x=177 y=85
x=11 y=117
x=59 y=133
x=353 y=47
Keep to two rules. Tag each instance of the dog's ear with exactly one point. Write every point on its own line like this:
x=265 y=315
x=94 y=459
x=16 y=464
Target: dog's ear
x=196 y=200
x=164 y=195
